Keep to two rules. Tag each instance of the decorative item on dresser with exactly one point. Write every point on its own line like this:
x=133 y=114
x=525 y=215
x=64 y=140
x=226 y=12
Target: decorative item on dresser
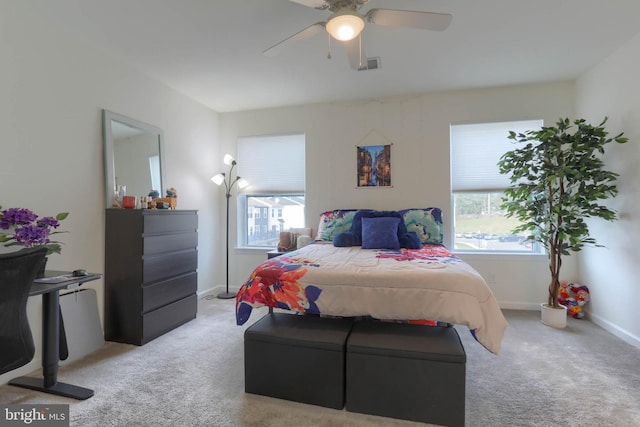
x=151 y=262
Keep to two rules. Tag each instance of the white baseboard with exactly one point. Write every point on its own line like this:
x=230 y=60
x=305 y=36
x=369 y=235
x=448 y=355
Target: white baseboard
x=623 y=334
x=612 y=328
x=215 y=291
x=210 y=291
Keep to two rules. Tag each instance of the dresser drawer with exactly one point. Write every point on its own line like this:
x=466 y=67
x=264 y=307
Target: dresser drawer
x=159 y=267
x=162 y=320
x=170 y=221
x=160 y=243
x=163 y=293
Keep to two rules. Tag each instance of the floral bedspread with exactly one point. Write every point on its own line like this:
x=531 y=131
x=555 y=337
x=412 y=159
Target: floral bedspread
x=406 y=285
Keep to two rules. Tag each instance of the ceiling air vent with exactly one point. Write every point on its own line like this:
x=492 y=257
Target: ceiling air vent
x=372 y=64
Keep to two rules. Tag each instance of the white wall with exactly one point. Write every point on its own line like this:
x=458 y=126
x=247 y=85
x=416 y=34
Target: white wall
x=52 y=90
x=53 y=87
x=418 y=127
x=611 y=89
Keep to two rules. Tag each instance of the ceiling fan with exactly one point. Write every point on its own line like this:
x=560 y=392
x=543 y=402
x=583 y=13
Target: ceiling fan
x=346 y=23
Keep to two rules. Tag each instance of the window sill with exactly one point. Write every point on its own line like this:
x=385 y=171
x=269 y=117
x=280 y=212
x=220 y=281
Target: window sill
x=253 y=250
x=500 y=256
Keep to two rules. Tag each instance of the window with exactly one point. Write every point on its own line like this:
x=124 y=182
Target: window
x=269 y=227
x=274 y=167
x=477 y=186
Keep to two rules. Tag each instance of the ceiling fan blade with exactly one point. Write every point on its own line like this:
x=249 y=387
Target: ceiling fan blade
x=301 y=35
x=409 y=18
x=355 y=52
x=316 y=4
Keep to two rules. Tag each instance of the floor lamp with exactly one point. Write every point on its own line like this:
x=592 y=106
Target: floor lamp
x=220 y=179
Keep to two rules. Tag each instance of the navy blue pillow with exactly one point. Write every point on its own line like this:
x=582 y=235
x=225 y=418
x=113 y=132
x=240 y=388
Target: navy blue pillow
x=346 y=239
x=410 y=240
x=356 y=225
x=380 y=233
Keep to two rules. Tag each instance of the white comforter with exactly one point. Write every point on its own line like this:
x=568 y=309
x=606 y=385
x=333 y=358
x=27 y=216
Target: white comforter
x=409 y=284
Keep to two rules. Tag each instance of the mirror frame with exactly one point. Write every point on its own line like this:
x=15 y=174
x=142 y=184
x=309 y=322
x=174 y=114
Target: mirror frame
x=109 y=158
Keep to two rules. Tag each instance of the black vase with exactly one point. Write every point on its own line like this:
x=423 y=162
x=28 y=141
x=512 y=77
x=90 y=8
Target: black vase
x=41 y=268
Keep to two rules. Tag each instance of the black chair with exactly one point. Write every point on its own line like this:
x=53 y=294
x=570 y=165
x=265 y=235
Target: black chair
x=17 y=272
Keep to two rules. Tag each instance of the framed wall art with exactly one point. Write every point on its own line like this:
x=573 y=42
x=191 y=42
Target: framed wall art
x=373 y=166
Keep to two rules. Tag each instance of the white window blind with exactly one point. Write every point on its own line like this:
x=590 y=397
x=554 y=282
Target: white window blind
x=475 y=151
x=272 y=164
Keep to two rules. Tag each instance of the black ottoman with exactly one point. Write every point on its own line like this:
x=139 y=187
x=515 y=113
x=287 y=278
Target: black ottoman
x=299 y=358
x=406 y=371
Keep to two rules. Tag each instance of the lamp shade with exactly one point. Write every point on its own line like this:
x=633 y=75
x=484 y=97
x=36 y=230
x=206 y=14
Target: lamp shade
x=242 y=183
x=345 y=26
x=228 y=159
x=218 y=179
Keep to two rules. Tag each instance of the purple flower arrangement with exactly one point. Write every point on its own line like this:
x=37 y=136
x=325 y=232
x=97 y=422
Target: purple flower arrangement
x=26 y=229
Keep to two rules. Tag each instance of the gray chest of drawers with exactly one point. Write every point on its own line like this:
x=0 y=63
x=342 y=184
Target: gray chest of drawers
x=151 y=262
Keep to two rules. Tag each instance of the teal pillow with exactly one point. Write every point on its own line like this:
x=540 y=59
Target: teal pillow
x=334 y=222
x=380 y=233
x=426 y=223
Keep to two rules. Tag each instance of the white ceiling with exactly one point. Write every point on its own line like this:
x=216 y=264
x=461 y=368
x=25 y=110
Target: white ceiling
x=211 y=50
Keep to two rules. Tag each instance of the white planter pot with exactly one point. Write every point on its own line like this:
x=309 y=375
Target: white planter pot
x=554 y=317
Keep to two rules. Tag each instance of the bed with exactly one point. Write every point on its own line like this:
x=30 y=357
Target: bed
x=409 y=284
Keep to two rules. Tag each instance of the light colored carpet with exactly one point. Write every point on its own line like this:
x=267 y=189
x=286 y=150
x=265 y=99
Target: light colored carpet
x=194 y=376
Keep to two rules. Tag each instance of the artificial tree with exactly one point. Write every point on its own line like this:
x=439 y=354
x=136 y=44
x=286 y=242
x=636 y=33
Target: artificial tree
x=557 y=180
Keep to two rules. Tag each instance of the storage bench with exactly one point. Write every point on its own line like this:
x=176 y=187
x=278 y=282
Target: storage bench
x=406 y=371
x=297 y=357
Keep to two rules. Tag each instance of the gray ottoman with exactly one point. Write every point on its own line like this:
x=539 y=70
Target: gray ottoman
x=406 y=371
x=299 y=358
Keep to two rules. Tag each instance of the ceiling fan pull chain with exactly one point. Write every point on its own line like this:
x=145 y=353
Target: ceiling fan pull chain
x=329 y=53
x=360 y=50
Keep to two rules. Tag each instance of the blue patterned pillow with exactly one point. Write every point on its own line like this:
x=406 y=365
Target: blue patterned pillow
x=334 y=222
x=426 y=223
x=380 y=233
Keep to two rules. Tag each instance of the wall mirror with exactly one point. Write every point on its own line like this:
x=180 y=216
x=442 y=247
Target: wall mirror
x=133 y=155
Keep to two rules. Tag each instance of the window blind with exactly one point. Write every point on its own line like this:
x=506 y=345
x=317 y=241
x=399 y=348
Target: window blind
x=272 y=164
x=475 y=151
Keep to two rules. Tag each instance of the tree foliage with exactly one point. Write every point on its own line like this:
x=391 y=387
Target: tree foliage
x=557 y=181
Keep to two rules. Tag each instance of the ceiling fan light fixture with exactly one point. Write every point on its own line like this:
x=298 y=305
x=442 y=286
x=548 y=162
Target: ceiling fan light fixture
x=345 y=26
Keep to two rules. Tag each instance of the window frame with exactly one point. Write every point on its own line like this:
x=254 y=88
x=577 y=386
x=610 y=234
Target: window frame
x=257 y=155
x=535 y=249
x=243 y=220
x=487 y=185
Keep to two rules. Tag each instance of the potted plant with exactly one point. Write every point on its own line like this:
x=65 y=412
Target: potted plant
x=22 y=227
x=557 y=180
